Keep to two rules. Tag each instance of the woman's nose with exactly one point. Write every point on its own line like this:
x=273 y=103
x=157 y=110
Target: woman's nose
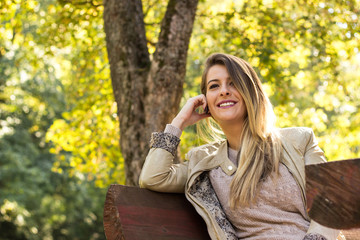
x=224 y=91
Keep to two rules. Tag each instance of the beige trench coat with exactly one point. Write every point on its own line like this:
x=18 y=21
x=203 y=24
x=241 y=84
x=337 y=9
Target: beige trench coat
x=300 y=148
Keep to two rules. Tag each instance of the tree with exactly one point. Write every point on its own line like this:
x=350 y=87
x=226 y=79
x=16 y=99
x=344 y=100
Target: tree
x=37 y=202
x=147 y=91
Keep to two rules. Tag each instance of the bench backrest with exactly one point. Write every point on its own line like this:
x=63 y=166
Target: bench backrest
x=333 y=193
x=132 y=213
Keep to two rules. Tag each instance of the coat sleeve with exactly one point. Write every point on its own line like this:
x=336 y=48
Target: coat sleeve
x=314 y=154
x=159 y=173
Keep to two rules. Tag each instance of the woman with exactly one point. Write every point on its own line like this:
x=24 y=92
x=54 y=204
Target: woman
x=251 y=185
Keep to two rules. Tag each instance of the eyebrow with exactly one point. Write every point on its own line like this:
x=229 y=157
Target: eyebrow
x=217 y=80
x=212 y=80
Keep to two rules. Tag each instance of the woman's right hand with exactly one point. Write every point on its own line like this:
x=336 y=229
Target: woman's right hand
x=188 y=115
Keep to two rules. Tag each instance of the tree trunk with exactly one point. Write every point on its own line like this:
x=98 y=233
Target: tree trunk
x=147 y=92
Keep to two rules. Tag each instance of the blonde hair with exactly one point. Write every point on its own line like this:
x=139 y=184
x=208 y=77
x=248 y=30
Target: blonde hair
x=260 y=145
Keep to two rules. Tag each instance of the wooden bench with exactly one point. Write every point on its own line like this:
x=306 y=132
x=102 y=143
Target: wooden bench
x=333 y=193
x=132 y=213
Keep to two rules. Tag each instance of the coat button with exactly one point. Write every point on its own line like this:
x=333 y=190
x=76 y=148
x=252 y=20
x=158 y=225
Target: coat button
x=230 y=168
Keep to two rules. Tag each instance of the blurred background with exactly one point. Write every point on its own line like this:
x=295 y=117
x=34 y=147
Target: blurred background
x=59 y=130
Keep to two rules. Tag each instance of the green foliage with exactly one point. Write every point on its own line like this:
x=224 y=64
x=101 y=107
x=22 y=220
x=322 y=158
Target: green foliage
x=59 y=130
x=154 y=11
x=307 y=54
x=36 y=202
x=88 y=129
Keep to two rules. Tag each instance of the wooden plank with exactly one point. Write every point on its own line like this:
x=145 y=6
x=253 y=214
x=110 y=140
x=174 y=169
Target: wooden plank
x=132 y=213
x=333 y=193
x=352 y=234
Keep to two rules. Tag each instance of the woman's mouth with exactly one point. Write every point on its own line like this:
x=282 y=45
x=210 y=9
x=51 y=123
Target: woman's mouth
x=226 y=104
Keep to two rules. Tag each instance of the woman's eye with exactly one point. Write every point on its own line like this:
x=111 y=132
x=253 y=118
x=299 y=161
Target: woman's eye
x=213 y=86
x=231 y=84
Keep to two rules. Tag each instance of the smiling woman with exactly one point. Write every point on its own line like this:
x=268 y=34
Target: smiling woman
x=224 y=101
x=250 y=185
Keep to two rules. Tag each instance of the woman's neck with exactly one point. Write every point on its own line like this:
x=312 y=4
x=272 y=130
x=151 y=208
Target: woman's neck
x=233 y=134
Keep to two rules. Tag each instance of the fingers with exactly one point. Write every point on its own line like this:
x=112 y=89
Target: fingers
x=204 y=115
x=198 y=101
x=188 y=114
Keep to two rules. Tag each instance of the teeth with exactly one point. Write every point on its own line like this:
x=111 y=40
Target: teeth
x=226 y=104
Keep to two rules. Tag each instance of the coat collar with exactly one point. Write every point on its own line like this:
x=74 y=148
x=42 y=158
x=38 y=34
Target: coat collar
x=217 y=158
x=222 y=159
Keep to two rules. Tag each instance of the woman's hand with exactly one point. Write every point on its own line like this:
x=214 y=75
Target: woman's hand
x=188 y=115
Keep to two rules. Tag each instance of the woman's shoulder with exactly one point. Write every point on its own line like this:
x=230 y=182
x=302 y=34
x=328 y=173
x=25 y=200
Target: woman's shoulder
x=205 y=150
x=297 y=136
x=294 y=132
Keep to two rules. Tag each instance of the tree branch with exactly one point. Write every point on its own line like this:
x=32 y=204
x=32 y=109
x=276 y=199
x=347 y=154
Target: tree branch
x=129 y=65
x=169 y=62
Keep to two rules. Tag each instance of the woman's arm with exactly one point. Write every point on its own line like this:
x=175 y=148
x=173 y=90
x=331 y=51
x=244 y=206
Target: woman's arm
x=159 y=173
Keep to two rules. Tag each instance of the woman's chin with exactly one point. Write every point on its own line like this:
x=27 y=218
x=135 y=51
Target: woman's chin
x=227 y=119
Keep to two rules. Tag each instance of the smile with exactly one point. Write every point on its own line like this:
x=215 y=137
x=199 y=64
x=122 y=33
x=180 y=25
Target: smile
x=226 y=104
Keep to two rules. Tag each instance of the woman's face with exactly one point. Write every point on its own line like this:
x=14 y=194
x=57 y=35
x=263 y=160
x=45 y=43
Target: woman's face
x=224 y=101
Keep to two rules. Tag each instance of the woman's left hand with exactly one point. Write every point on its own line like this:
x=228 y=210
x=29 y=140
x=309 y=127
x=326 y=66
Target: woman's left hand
x=188 y=115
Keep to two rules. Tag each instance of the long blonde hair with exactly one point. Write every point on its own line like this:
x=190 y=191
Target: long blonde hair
x=260 y=151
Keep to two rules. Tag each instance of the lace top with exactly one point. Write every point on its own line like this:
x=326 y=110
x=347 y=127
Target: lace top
x=277 y=214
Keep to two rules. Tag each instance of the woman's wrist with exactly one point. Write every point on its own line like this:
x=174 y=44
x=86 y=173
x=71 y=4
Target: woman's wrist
x=173 y=130
x=179 y=123
x=166 y=141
